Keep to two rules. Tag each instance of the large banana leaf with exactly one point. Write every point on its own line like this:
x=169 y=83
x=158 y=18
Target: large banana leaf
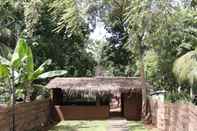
x=52 y=74
x=30 y=60
x=4 y=61
x=4 y=71
x=20 y=52
x=40 y=70
x=29 y=66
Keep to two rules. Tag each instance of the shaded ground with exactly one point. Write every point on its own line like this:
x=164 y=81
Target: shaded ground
x=80 y=126
x=115 y=124
x=136 y=126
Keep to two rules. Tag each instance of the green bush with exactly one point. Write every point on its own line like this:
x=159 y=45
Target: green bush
x=177 y=97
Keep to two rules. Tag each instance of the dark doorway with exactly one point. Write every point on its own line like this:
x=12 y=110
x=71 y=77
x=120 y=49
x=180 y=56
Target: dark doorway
x=116 y=109
x=132 y=105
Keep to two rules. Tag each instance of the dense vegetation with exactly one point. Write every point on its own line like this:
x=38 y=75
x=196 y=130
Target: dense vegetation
x=153 y=39
x=144 y=34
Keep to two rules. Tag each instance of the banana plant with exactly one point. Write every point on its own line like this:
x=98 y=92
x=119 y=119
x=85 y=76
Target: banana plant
x=23 y=61
x=8 y=75
x=20 y=68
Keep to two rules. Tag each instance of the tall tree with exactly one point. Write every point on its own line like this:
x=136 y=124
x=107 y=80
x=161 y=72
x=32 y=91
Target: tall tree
x=117 y=58
x=162 y=26
x=138 y=22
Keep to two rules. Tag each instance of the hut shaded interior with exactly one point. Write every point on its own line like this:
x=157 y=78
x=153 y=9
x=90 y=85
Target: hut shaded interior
x=98 y=91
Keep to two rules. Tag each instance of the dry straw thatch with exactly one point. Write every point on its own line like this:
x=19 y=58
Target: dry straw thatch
x=97 y=85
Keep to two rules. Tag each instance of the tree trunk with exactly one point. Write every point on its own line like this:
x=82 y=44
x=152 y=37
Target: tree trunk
x=28 y=92
x=142 y=76
x=144 y=91
x=13 y=101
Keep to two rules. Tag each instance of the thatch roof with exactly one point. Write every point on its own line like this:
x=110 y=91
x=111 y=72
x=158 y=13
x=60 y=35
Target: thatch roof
x=97 y=85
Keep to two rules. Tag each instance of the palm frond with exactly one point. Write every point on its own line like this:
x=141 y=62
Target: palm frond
x=185 y=68
x=68 y=16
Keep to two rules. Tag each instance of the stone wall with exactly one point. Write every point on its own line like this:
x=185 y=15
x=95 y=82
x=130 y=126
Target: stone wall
x=80 y=112
x=174 y=117
x=28 y=115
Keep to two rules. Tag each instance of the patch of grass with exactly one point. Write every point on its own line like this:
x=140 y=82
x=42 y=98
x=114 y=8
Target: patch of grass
x=136 y=126
x=80 y=126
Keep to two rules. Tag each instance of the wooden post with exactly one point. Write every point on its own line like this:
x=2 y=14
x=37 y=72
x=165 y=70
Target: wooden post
x=57 y=97
x=97 y=101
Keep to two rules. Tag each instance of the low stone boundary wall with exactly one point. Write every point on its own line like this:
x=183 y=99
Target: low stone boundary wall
x=80 y=112
x=28 y=115
x=174 y=117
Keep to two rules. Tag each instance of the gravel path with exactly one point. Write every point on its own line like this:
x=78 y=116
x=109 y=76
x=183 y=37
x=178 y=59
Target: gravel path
x=118 y=124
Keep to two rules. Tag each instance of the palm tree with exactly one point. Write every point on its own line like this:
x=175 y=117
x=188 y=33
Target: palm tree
x=136 y=18
x=185 y=69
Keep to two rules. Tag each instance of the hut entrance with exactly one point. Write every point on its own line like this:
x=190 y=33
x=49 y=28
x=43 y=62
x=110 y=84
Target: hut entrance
x=116 y=109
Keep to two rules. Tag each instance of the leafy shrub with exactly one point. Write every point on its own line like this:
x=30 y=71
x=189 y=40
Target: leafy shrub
x=175 y=97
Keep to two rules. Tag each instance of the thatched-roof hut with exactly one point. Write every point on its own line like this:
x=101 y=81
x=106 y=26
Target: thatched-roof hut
x=130 y=89
x=97 y=85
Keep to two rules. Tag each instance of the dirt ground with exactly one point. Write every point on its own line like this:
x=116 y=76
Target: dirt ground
x=151 y=128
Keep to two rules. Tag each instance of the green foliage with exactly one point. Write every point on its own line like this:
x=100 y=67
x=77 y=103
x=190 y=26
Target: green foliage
x=152 y=69
x=20 y=54
x=58 y=30
x=21 y=70
x=37 y=20
x=137 y=18
x=185 y=68
x=180 y=97
x=151 y=64
x=32 y=16
x=96 y=49
x=68 y=54
x=4 y=50
x=116 y=58
x=68 y=16
x=4 y=72
x=194 y=3
x=65 y=50
x=35 y=74
x=166 y=30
